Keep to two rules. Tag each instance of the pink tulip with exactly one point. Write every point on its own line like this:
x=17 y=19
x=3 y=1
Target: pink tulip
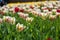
x=58 y=10
x=1 y=12
x=1 y=20
x=24 y=16
x=31 y=7
x=58 y=14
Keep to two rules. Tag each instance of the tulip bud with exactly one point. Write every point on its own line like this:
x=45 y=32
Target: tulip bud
x=13 y=20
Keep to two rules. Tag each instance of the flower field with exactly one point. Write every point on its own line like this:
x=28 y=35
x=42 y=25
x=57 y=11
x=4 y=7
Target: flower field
x=40 y=21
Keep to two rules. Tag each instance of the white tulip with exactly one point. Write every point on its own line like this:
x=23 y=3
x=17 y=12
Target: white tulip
x=53 y=10
x=9 y=19
x=44 y=15
x=22 y=15
x=57 y=14
x=20 y=27
x=13 y=20
x=45 y=11
x=43 y=8
x=4 y=18
x=52 y=17
x=30 y=19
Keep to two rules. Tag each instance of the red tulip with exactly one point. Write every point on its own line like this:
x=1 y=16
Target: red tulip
x=58 y=10
x=2 y=13
x=49 y=39
x=16 y=9
x=31 y=7
x=21 y=10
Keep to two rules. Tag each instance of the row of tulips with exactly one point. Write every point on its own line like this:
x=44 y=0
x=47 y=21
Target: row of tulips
x=30 y=22
x=25 y=16
x=12 y=20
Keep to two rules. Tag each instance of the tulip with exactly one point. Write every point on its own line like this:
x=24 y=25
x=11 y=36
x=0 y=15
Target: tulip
x=9 y=19
x=21 y=10
x=1 y=12
x=45 y=11
x=20 y=27
x=50 y=6
x=52 y=17
x=29 y=19
x=53 y=10
x=1 y=20
x=44 y=16
x=58 y=10
x=23 y=15
x=57 y=14
x=16 y=9
x=6 y=18
x=31 y=7
x=34 y=13
x=39 y=14
x=44 y=8
x=13 y=20
x=29 y=10
x=49 y=39
x=11 y=9
x=50 y=9
x=49 y=13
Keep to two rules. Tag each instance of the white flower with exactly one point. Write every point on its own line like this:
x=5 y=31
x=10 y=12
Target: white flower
x=50 y=6
x=57 y=14
x=11 y=9
x=29 y=10
x=30 y=19
x=22 y=15
x=53 y=10
x=20 y=27
x=55 y=7
x=4 y=18
x=58 y=5
x=9 y=19
x=52 y=17
x=37 y=10
x=13 y=20
x=5 y=10
x=49 y=13
x=34 y=13
x=45 y=11
x=44 y=8
x=44 y=15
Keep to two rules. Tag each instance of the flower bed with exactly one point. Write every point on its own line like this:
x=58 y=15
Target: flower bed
x=30 y=22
